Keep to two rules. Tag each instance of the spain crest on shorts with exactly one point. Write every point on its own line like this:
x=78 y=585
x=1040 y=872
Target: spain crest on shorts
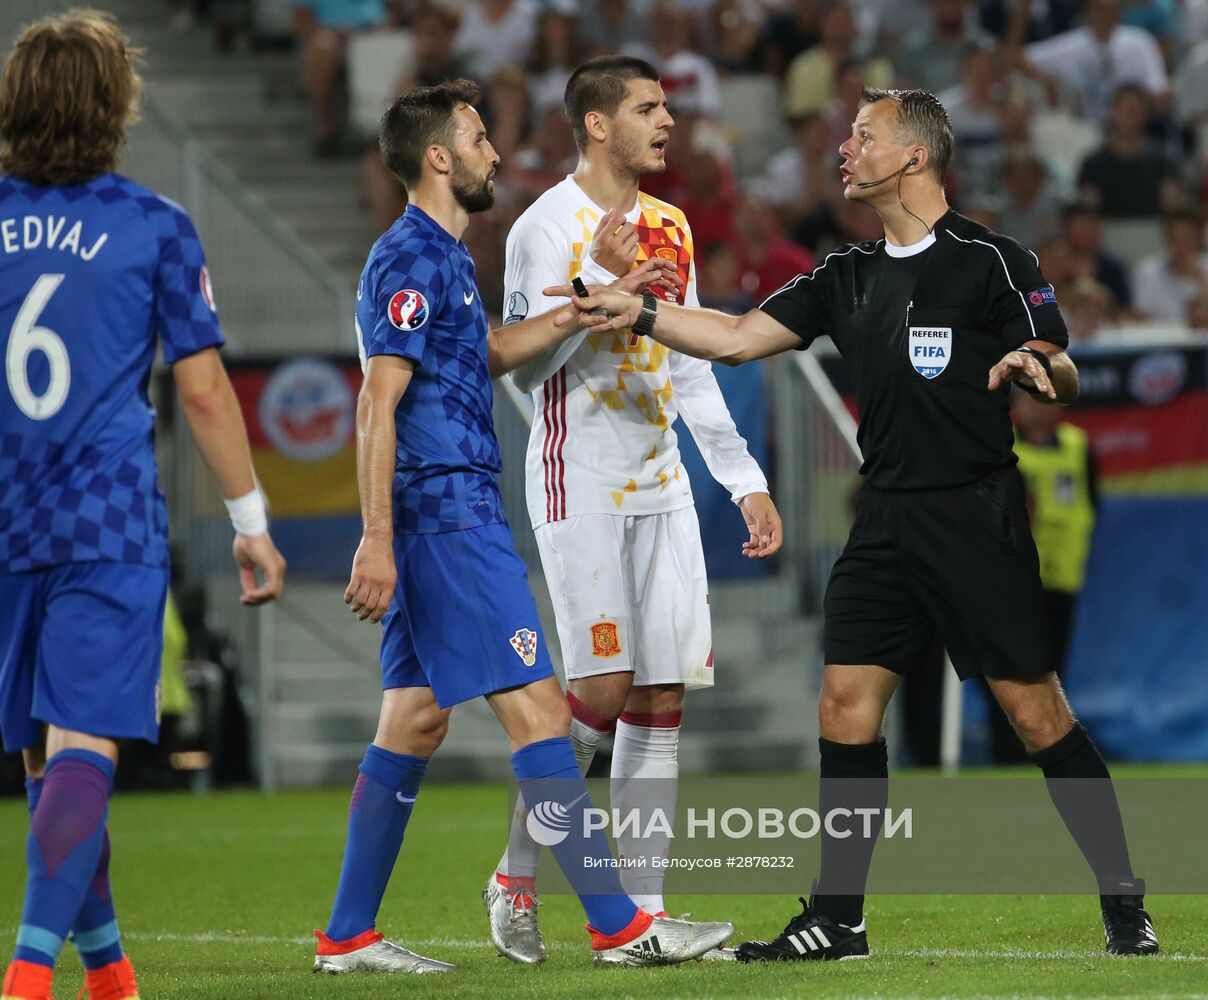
x=605 y=639
x=525 y=644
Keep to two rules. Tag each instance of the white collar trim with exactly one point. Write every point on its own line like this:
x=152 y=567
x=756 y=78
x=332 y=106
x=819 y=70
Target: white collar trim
x=911 y=250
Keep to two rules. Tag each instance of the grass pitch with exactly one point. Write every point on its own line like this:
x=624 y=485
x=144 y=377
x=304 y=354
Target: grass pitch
x=216 y=897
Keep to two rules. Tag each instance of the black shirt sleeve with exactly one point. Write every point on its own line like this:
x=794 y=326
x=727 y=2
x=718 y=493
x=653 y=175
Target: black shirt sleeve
x=1022 y=305
x=800 y=305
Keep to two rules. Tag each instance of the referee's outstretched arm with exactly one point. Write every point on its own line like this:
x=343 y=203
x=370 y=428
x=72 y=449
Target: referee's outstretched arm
x=701 y=333
x=1054 y=382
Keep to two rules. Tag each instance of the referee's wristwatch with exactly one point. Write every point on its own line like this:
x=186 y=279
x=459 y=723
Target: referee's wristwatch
x=644 y=324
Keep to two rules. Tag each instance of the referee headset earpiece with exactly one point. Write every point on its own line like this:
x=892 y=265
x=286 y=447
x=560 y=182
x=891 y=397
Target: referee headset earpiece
x=912 y=162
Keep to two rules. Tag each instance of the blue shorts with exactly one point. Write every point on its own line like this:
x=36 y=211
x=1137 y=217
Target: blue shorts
x=463 y=621
x=80 y=648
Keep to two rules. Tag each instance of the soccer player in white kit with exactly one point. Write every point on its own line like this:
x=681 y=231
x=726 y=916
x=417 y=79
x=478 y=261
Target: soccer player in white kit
x=608 y=497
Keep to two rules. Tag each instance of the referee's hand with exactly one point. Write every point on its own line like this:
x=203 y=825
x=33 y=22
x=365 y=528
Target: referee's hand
x=1021 y=367
x=373 y=577
x=763 y=522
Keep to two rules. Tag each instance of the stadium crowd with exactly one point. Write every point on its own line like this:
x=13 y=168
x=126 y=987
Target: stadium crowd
x=1082 y=124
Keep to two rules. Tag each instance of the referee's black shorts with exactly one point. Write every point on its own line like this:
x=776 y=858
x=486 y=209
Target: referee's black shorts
x=956 y=562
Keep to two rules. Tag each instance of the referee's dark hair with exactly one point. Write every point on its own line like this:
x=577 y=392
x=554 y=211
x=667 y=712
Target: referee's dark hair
x=600 y=84
x=924 y=121
x=418 y=119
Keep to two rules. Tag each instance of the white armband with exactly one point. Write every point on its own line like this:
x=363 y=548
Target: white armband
x=248 y=513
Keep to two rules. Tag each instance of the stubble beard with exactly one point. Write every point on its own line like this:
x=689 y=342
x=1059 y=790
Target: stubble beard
x=470 y=192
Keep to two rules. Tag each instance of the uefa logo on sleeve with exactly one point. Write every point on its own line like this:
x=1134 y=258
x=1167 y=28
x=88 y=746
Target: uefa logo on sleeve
x=408 y=310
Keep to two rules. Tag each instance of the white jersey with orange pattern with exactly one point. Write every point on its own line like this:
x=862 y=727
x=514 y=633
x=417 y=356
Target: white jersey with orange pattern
x=603 y=440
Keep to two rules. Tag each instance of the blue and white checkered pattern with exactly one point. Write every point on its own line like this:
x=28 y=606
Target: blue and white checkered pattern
x=418 y=299
x=79 y=484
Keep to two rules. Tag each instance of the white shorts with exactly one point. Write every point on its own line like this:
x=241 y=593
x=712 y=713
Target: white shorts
x=630 y=594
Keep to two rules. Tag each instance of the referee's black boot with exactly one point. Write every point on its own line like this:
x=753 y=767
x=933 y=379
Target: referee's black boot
x=809 y=936
x=1126 y=926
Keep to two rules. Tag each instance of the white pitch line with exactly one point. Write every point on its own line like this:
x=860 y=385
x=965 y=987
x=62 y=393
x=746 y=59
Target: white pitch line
x=1009 y=954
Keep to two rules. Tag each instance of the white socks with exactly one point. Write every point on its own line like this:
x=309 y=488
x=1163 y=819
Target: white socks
x=586 y=730
x=645 y=779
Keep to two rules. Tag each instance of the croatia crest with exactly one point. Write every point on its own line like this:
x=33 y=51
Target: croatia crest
x=930 y=349
x=408 y=310
x=525 y=644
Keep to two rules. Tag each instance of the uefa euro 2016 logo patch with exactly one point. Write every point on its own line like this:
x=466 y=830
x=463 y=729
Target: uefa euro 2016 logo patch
x=930 y=349
x=408 y=310
x=525 y=644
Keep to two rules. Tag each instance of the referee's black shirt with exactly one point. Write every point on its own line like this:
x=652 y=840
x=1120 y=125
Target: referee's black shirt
x=920 y=334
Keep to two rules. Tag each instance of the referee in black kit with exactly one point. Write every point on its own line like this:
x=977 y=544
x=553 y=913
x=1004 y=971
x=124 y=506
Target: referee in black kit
x=934 y=321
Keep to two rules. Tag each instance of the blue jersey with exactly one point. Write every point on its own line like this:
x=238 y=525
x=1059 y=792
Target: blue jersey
x=89 y=274
x=418 y=299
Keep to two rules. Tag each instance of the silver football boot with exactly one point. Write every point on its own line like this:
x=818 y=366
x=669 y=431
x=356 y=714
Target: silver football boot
x=379 y=955
x=515 y=931
x=667 y=942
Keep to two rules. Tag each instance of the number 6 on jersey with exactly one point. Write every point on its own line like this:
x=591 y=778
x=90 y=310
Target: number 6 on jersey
x=25 y=338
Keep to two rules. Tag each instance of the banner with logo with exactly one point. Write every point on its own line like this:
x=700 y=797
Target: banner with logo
x=301 y=421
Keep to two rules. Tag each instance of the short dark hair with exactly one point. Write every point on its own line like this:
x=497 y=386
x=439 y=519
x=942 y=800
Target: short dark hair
x=601 y=84
x=1182 y=213
x=923 y=120
x=418 y=119
x=1079 y=210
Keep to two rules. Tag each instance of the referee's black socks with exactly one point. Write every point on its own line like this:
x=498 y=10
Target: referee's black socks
x=854 y=776
x=1081 y=789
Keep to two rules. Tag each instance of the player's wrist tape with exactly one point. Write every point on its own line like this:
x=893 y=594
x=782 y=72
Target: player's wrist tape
x=644 y=324
x=248 y=513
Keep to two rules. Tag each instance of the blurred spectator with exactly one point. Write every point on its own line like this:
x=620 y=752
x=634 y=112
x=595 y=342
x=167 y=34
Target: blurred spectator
x=615 y=25
x=1168 y=282
x=1158 y=17
x=323 y=28
x=1059 y=473
x=547 y=157
x=735 y=28
x=1127 y=178
x=717 y=279
x=1082 y=230
x=1031 y=207
x=1056 y=264
x=974 y=106
x=431 y=61
x=1087 y=308
x=688 y=78
x=1197 y=314
x=557 y=50
x=505 y=110
x=811 y=77
x=787 y=34
x=767 y=259
x=1095 y=60
x=494 y=34
x=931 y=57
x=842 y=110
x=1042 y=20
x=700 y=180
x=799 y=178
x=1191 y=87
x=884 y=24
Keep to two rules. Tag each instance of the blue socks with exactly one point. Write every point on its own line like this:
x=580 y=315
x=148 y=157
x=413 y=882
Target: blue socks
x=554 y=792
x=63 y=852
x=381 y=805
x=95 y=931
